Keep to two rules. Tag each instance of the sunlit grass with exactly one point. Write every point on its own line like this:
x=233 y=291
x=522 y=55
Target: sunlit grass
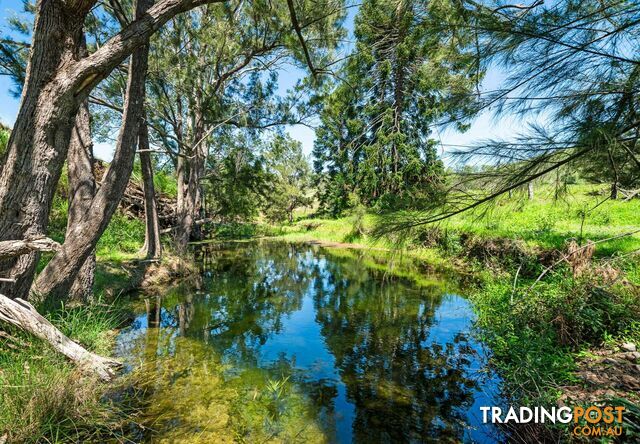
x=44 y=397
x=546 y=222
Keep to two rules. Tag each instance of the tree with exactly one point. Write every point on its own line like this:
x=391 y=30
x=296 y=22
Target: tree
x=57 y=81
x=568 y=60
x=374 y=139
x=228 y=56
x=58 y=276
x=289 y=179
x=152 y=247
x=237 y=183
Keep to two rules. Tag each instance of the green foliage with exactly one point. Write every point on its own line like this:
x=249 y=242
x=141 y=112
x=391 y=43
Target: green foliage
x=235 y=230
x=123 y=235
x=289 y=179
x=164 y=179
x=374 y=137
x=236 y=186
x=4 y=139
x=88 y=324
x=532 y=331
x=165 y=183
x=358 y=231
x=545 y=223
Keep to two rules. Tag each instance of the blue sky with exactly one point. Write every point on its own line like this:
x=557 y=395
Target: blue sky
x=484 y=126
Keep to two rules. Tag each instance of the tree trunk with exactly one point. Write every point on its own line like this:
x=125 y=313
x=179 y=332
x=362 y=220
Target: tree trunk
x=82 y=190
x=193 y=167
x=152 y=246
x=22 y=314
x=399 y=67
x=38 y=143
x=55 y=86
x=530 y=190
x=614 y=190
x=59 y=274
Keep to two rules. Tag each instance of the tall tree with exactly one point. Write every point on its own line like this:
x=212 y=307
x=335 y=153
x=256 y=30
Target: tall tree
x=289 y=177
x=216 y=69
x=374 y=139
x=152 y=247
x=82 y=236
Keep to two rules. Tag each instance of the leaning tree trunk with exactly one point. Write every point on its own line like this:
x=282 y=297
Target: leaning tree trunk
x=82 y=190
x=55 y=86
x=58 y=276
x=152 y=246
x=38 y=143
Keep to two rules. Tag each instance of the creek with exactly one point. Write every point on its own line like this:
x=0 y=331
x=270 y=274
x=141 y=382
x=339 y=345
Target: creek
x=279 y=342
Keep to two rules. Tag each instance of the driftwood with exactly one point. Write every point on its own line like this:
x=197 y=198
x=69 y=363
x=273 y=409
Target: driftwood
x=14 y=248
x=23 y=315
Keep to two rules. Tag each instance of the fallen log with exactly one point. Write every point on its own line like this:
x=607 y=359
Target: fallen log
x=12 y=248
x=196 y=224
x=23 y=315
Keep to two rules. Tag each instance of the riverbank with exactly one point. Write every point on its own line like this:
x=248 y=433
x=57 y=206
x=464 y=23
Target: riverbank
x=555 y=339
x=560 y=314
x=43 y=396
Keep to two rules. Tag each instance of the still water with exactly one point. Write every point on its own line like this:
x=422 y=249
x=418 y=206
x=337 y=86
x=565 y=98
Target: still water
x=281 y=342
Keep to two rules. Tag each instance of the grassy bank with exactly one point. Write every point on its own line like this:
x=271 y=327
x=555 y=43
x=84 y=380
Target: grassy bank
x=545 y=332
x=43 y=396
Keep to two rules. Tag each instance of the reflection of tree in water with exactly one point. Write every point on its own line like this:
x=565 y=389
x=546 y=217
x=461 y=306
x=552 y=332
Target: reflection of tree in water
x=377 y=328
x=404 y=389
x=248 y=292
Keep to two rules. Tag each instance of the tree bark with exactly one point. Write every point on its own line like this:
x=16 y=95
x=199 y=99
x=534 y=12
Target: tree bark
x=37 y=145
x=530 y=190
x=60 y=273
x=21 y=314
x=55 y=86
x=193 y=167
x=152 y=246
x=82 y=190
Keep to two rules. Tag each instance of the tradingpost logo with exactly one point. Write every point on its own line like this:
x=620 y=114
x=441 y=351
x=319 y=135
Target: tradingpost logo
x=589 y=421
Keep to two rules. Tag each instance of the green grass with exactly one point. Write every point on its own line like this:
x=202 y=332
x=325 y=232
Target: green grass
x=536 y=334
x=122 y=239
x=43 y=397
x=548 y=222
x=545 y=222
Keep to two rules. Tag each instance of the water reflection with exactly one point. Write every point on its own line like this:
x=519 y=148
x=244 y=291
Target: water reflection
x=290 y=343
